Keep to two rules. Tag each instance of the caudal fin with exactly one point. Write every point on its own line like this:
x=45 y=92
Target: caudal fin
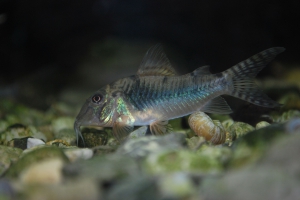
x=241 y=77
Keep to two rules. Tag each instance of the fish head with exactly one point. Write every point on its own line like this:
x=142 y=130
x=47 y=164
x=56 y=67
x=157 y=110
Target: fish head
x=97 y=111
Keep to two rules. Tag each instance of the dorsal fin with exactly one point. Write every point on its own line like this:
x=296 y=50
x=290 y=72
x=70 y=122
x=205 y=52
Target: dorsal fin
x=201 y=71
x=156 y=63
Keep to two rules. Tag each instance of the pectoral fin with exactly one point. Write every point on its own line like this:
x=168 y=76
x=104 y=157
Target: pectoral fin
x=160 y=127
x=121 y=128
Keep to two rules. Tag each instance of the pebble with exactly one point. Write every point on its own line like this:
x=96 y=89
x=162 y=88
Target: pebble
x=8 y=156
x=74 y=153
x=46 y=171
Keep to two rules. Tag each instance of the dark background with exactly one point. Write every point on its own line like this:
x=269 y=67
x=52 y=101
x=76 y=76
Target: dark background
x=44 y=43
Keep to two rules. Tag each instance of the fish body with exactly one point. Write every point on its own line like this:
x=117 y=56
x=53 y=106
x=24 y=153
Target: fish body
x=157 y=94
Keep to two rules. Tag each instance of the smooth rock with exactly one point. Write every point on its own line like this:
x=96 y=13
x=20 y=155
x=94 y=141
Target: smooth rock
x=34 y=156
x=140 y=132
x=249 y=148
x=25 y=143
x=68 y=190
x=275 y=176
x=177 y=185
x=32 y=142
x=104 y=168
x=135 y=188
x=143 y=146
x=74 y=153
x=7 y=191
x=46 y=171
x=293 y=126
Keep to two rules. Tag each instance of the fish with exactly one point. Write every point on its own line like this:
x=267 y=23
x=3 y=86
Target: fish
x=157 y=94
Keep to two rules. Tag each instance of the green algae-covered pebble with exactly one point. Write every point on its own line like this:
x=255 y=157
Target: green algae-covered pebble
x=93 y=137
x=261 y=124
x=18 y=131
x=251 y=147
x=67 y=135
x=220 y=153
x=8 y=155
x=15 y=131
x=286 y=116
x=35 y=156
x=194 y=142
x=239 y=129
x=227 y=123
x=184 y=160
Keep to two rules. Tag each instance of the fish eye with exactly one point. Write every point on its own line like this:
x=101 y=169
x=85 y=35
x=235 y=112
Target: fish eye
x=97 y=98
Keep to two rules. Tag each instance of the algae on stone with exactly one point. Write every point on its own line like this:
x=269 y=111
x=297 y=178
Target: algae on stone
x=8 y=156
x=182 y=160
x=239 y=129
x=93 y=137
x=285 y=116
x=34 y=156
x=261 y=124
x=17 y=131
x=251 y=147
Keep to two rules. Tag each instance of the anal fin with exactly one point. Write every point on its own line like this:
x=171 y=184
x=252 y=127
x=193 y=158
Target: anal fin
x=217 y=105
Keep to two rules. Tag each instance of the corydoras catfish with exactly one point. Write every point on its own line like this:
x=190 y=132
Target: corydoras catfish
x=157 y=94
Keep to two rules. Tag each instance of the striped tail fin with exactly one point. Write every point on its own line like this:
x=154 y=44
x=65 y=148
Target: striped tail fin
x=241 y=78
